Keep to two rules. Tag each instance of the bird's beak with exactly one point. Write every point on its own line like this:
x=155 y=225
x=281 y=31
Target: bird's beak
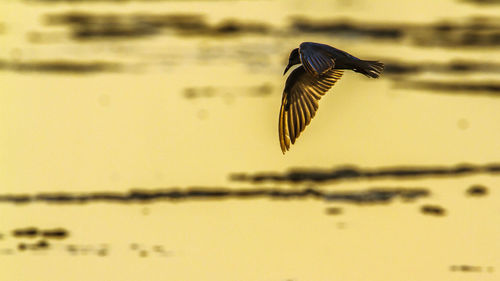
x=286 y=69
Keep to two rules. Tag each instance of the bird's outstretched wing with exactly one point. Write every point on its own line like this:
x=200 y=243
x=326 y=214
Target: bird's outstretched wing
x=300 y=102
x=316 y=58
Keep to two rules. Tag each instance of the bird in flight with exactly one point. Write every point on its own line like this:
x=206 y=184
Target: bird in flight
x=321 y=66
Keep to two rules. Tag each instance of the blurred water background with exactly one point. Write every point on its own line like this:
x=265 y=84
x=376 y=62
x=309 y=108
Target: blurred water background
x=139 y=142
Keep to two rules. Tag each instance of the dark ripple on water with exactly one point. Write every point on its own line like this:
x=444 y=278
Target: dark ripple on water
x=369 y=196
x=484 y=88
x=299 y=175
x=98 y=26
x=101 y=250
x=40 y=245
x=482 y=2
x=334 y=211
x=477 y=190
x=433 y=210
x=33 y=232
x=473 y=31
x=29 y=232
x=264 y=89
x=399 y=70
x=60 y=66
x=471 y=268
x=452 y=67
x=347 y=28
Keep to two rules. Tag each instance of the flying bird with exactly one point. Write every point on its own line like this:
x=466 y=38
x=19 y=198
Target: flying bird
x=321 y=66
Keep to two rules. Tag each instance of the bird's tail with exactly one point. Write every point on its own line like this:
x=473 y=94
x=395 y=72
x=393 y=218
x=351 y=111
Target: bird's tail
x=369 y=68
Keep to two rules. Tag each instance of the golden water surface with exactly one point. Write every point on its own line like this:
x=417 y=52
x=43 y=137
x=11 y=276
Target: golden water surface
x=161 y=107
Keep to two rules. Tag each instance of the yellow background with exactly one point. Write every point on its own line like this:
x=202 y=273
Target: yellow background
x=113 y=131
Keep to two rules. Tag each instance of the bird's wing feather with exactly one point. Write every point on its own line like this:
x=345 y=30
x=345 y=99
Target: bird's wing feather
x=315 y=58
x=300 y=102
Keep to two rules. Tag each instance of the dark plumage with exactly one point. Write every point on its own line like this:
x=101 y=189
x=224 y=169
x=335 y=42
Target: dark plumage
x=322 y=66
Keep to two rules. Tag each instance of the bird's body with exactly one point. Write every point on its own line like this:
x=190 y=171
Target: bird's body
x=321 y=66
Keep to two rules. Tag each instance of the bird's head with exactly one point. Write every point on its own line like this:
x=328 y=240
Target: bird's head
x=293 y=59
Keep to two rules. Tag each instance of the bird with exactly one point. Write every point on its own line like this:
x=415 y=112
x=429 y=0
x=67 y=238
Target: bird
x=321 y=66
